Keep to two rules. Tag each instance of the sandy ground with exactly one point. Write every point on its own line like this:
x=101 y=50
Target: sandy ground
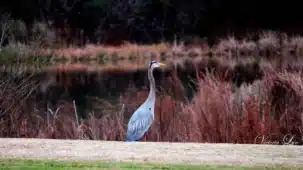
x=151 y=152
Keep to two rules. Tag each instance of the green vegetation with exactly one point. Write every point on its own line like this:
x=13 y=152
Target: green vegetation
x=58 y=165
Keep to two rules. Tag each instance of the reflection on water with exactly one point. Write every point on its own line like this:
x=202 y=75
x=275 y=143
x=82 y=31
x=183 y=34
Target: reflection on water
x=141 y=62
x=82 y=83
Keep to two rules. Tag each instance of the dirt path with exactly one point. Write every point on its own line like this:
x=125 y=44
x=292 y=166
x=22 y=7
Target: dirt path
x=151 y=152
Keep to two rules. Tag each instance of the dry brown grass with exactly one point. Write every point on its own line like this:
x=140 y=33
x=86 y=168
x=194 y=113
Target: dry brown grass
x=269 y=44
x=126 y=51
x=212 y=116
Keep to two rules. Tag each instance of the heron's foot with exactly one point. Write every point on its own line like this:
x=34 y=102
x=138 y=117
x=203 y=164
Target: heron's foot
x=127 y=140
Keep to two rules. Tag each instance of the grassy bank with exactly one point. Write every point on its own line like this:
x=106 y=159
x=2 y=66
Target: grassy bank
x=58 y=165
x=268 y=45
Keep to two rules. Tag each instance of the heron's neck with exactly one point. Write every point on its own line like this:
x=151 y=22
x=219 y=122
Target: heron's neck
x=152 y=89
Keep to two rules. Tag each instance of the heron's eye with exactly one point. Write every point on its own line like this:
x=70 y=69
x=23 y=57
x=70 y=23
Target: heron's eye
x=153 y=62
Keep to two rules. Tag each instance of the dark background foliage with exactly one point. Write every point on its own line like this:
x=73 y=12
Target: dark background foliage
x=150 y=21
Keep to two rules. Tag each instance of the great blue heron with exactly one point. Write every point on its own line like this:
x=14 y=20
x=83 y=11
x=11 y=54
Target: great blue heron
x=143 y=117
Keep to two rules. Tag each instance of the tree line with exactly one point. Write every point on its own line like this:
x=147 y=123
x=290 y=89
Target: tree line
x=151 y=21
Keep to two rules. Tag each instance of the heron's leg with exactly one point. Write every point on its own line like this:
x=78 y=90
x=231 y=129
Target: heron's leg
x=145 y=136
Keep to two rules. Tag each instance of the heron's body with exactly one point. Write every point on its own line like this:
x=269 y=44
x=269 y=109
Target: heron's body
x=138 y=124
x=143 y=117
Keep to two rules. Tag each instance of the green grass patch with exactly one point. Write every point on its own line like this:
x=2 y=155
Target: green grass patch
x=14 y=164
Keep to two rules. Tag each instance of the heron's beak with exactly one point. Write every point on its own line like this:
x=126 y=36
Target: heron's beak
x=162 y=65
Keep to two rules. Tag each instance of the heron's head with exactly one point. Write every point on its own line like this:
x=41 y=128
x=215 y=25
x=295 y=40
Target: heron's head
x=155 y=64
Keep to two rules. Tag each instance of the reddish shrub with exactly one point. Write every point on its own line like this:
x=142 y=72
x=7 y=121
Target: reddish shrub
x=212 y=116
